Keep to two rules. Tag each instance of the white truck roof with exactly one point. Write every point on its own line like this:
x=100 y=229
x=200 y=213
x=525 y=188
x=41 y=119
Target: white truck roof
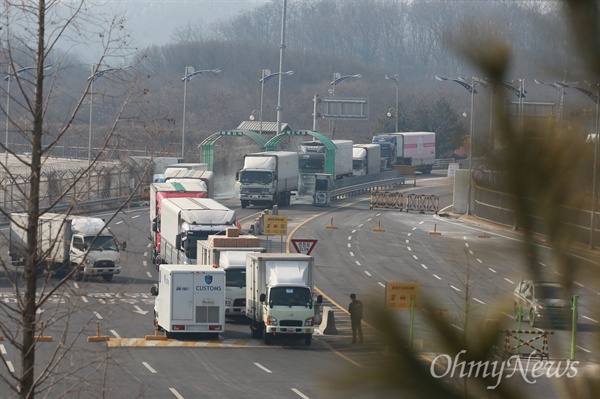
x=233 y=258
x=87 y=226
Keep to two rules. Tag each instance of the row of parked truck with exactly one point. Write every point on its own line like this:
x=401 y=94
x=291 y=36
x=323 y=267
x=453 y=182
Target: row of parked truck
x=270 y=178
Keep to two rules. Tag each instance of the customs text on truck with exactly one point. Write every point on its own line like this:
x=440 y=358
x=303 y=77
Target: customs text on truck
x=68 y=242
x=279 y=296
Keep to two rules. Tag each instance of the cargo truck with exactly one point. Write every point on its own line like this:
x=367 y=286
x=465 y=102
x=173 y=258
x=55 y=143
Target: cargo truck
x=190 y=299
x=192 y=175
x=313 y=160
x=67 y=242
x=366 y=159
x=279 y=296
x=416 y=149
x=229 y=253
x=184 y=221
x=268 y=178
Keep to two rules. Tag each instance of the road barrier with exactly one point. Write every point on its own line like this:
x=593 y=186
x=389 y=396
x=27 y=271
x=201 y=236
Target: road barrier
x=386 y=199
x=423 y=203
x=328 y=324
x=516 y=350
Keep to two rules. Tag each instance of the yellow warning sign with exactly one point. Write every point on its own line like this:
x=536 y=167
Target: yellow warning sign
x=401 y=296
x=275 y=225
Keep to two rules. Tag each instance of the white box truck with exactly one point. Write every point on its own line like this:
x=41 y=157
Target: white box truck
x=230 y=254
x=312 y=159
x=66 y=242
x=190 y=299
x=366 y=159
x=279 y=296
x=268 y=178
x=416 y=149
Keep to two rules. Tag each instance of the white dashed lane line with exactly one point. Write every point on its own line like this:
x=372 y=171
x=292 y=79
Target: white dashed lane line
x=177 y=394
x=436 y=276
x=510 y=281
x=98 y=315
x=351 y=253
x=297 y=392
x=263 y=368
x=149 y=274
x=454 y=288
x=492 y=270
x=136 y=216
x=357 y=262
x=2 y=350
x=424 y=267
x=381 y=284
x=367 y=273
x=477 y=300
x=113 y=332
x=149 y=367
x=349 y=245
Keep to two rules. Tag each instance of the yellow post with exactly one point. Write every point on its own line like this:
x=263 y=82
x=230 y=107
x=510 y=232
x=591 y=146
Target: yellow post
x=98 y=337
x=378 y=228
x=434 y=232
x=41 y=337
x=155 y=337
x=330 y=225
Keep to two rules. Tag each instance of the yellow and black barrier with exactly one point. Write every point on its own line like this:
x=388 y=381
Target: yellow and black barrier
x=386 y=199
x=510 y=350
x=423 y=203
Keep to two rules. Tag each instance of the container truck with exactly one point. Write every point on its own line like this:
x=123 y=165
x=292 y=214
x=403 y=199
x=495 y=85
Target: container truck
x=313 y=160
x=161 y=191
x=190 y=299
x=366 y=159
x=205 y=177
x=268 y=178
x=388 y=144
x=184 y=221
x=67 y=242
x=279 y=296
x=229 y=253
x=416 y=149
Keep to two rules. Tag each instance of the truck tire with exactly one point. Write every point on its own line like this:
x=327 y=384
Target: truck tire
x=307 y=339
x=244 y=204
x=256 y=330
x=268 y=338
x=107 y=277
x=288 y=199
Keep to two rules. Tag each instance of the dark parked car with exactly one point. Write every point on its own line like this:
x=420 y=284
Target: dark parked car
x=543 y=302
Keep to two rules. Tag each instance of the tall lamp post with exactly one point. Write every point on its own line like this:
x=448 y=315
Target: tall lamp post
x=188 y=75
x=97 y=73
x=395 y=79
x=471 y=89
x=281 y=51
x=337 y=78
x=266 y=75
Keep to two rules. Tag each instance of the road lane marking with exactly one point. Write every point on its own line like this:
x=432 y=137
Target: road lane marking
x=470 y=252
x=477 y=300
x=2 y=350
x=415 y=256
x=543 y=264
x=297 y=392
x=361 y=225
x=149 y=274
x=583 y=349
x=414 y=228
x=436 y=276
x=149 y=367
x=424 y=267
x=260 y=366
x=76 y=285
x=10 y=366
x=351 y=253
x=590 y=319
x=492 y=270
x=177 y=394
x=119 y=222
x=579 y=284
x=454 y=288
x=378 y=214
x=409 y=249
x=349 y=245
x=113 y=332
x=349 y=238
x=510 y=281
x=98 y=315
x=136 y=216
x=84 y=299
x=421 y=222
x=466 y=243
x=407 y=241
x=367 y=273
x=369 y=219
x=409 y=234
x=478 y=260
x=381 y=284
x=144 y=263
x=357 y=262
x=353 y=231
x=457 y=327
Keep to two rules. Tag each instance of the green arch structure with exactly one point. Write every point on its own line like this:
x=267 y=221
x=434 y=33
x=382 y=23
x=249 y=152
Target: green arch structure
x=207 y=149
x=330 y=147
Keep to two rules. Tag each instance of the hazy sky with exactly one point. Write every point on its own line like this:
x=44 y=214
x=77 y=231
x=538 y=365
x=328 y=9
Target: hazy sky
x=152 y=22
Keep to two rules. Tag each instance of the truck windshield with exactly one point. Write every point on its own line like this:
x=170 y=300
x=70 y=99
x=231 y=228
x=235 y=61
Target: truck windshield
x=385 y=151
x=235 y=278
x=290 y=296
x=100 y=243
x=357 y=164
x=251 y=176
x=314 y=165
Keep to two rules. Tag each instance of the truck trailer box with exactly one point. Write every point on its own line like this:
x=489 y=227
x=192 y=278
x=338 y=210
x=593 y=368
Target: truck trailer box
x=191 y=299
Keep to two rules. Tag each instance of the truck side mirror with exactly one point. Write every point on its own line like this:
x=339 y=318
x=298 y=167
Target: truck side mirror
x=237 y=175
x=153 y=291
x=262 y=297
x=154 y=226
x=124 y=245
x=178 y=241
x=319 y=298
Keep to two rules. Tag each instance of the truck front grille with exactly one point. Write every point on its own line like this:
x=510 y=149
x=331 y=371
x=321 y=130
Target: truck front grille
x=290 y=323
x=104 y=264
x=255 y=191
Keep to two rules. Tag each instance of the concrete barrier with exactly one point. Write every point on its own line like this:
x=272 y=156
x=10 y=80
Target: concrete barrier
x=328 y=324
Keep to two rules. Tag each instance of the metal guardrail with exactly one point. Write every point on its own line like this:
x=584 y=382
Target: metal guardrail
x=360 y=184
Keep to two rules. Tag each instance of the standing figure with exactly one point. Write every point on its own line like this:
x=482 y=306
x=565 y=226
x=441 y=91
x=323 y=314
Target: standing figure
x=356 y=314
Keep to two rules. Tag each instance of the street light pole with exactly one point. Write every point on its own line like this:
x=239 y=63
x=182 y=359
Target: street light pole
x=281 y=51
x=97 y=73
x=266 y=75
x=337 y=78
x=395 y=79
x=188 y=75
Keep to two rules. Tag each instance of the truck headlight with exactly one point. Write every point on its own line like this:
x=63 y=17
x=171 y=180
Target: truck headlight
x=271 y=321
x=309 y=322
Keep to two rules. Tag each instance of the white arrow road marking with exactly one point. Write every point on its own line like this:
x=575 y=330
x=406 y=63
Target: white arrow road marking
x=139 y=310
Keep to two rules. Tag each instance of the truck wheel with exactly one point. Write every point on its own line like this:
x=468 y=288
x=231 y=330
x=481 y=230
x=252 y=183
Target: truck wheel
x=244 y=204
x=268 y=337
x=288 y=199
x=256 y=330
x=307 y=339
x=107 y=277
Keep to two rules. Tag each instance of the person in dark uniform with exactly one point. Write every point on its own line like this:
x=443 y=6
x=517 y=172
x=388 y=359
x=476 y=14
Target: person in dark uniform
x=356 y=314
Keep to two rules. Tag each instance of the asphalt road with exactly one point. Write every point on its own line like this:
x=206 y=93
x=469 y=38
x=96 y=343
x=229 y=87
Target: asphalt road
x=482 y=263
